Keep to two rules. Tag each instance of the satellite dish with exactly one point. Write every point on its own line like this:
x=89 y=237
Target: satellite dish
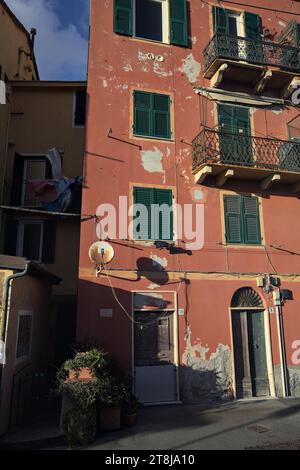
x=101 y=253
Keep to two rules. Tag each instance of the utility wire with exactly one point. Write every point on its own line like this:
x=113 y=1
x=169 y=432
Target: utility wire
x=258 y=7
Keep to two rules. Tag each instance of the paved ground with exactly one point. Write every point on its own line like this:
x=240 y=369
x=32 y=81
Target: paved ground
x=272 y=424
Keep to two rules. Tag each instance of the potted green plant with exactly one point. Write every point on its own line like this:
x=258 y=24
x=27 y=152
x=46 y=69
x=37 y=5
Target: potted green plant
x=79 y=412
x=79 y=387
x=113 y=391
x=85 y=365
x=130 y=408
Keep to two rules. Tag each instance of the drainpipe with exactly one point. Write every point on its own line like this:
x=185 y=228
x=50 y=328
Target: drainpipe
x=5 y=305
x=282 y=351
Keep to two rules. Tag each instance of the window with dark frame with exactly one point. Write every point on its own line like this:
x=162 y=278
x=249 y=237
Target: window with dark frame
x=152 y=115
x=156 y=222
x=30 y=240
x=80 y=108
x=242 y=220
x=147 y=19
x=33 y=239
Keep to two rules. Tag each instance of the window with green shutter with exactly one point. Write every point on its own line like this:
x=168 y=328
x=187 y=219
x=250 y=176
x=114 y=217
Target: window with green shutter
x=178 y=22
x=220 y=20
x=123 y=17
x=242 y=222
x=151 y=115
x=153 y=221
x=156 y=20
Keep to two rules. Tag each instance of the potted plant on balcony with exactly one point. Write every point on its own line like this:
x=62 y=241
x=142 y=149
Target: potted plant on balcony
x=130 y=407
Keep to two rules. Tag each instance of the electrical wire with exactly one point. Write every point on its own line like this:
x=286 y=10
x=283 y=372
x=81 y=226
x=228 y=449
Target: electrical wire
x=258 y=7
x=164 y=315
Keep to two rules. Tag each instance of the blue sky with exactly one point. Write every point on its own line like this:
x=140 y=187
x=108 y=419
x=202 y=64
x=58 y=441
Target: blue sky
x=62 y=35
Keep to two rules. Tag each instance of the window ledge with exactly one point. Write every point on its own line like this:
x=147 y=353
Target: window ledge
x=151 y=41
x=148 y=137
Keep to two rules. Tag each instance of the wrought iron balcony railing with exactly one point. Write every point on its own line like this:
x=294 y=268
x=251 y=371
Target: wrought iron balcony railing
x=216 y=146
x=264 y=53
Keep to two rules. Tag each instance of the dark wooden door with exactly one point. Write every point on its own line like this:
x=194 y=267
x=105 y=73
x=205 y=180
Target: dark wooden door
x=153 y=338
x=250 y=361
x=257 y=353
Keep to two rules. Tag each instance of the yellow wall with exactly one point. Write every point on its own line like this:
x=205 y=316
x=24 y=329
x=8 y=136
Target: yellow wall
x=42 y=118
x=27 y=293
x=12 y=38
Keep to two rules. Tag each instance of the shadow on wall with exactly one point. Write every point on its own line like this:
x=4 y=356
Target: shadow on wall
x=203 y=385
x=103 y=323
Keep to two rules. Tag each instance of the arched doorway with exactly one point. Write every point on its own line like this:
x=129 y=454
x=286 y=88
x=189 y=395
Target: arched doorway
x=249 y=345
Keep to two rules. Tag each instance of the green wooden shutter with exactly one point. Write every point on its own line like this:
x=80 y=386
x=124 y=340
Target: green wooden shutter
x=142 y=113
x=253 y=27
x=123 y=17
x=178 y=22
x=165 y=228
x=232 y=207
x=250 y=208
x=161 y=116
x=242 y=128
x=226 y=115
x=49 y=242
x=226 y=129
x=143 y=196
x=11 y=236
x=253 y=31
x=242 y=120
x=220 y=20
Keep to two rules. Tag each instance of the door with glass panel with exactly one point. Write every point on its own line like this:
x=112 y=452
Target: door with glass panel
x=235 y=143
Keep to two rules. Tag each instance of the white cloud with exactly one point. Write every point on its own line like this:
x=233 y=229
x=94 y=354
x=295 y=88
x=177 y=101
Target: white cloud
x=61 y=51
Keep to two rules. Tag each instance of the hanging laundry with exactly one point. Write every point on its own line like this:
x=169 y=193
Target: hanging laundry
x=45 y=190
x=54 y=158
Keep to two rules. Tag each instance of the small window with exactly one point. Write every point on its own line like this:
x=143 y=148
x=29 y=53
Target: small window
x=153 y=214
x=80 y=108
x=30 y=240
x=147 y=19
x=242 y=221
x=23 y=349
x=151 y=115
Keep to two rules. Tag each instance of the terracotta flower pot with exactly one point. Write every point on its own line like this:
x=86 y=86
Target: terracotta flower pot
x=85 y=374
x=110 y=418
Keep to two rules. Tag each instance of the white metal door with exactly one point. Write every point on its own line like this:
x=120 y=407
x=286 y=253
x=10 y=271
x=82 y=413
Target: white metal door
x=154 y=357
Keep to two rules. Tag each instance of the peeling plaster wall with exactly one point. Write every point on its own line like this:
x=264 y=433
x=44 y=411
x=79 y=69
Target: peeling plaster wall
x=205 y=374
x=191 y=68
x=114 y=163
x=152 y=160
x=294 y=380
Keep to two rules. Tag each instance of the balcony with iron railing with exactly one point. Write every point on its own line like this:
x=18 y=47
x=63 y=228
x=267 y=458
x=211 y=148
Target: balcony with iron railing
x=227 y=155
x=245 y=60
